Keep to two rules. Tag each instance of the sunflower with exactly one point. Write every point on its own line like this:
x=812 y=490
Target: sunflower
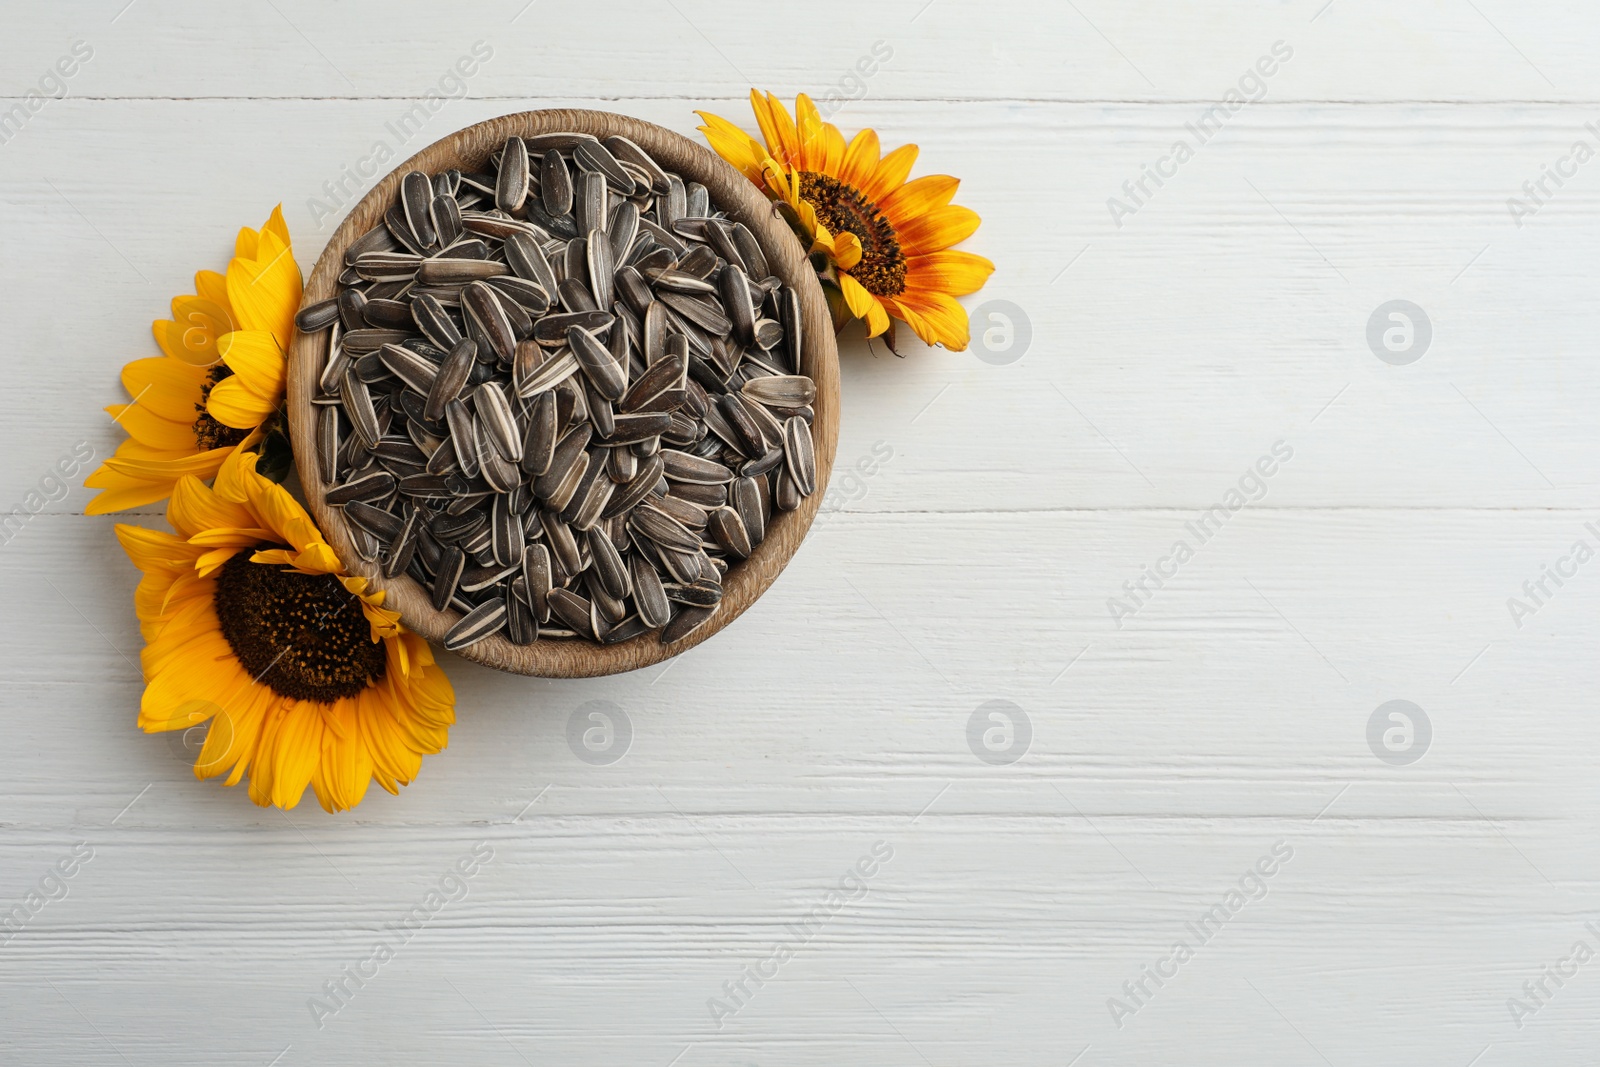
x=887 y=240
x=221 y=376
x=250 y=623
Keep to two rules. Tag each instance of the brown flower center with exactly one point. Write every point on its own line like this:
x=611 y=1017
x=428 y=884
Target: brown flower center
x=208 y=432
x=304 y=635
x=882 y=270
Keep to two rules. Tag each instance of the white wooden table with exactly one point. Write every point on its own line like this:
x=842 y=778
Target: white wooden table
x=1023 y=881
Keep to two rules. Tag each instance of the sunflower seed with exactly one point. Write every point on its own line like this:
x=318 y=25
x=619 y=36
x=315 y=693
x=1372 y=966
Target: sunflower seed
x=524 y=293
x=367 y=546
x=590 y=206
x=736 y=298
x=463 y=436
x=314 y=318
x=684 y=467
x=450 y=379
x=500 y=474
x=636 y=490
x=555 y=184
x=443 y=459
x=414 y=370
x=434 y=321
x=328 y=444
x=521 y=627
x=742 y=422
x=360 y=342
x=505 y=528
x=609 y=566
x=648 y=595
x=728 y=530
x=621 y=230
x=511 y=186
x=596 y=495
x=602 y=371
x=684 y=623
x=483 y=621
x=691 y=515
x=366 y=487
x=404 y=548
x=447 y=219
x=416 y=199
x=657 y=389
x=358 y=405
x=489 y=399
x=377 y=522
x=551 y=373
x=785 y=494
x=377 y=239
x=605 y=610
x=746 y=497
x=663 y=529
x=786 y=390
x=524 y=256
x=800 y=455
x=594 y=156
x=755 y=260
x=539 y=443
x=703 y=592
x=626 y=151
x=676 y=280
x=485 y=311
x=458 y=271
x=536 y=575
x=707 y=496
x=572 y=609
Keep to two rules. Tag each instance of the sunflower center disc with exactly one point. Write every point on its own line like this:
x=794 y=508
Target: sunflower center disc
x=882 y=270
x=304 y=635
x=208 y=432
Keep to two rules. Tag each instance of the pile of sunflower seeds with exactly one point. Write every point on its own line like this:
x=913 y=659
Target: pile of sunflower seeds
x=565 y=396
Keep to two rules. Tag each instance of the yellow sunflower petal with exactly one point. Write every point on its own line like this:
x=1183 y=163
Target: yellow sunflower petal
x=890 y=173
x=168 y=387
x=762 y=108
x=264 y=291
x=856 y=298
x=946 y=320
x=918 y=197
x=211 y=286
x=937 y=230
x=201 y=465
x=809 y=149
x=121 y=493
x=148 y=428
x=846 y=250
x=233 y=404
x=877 y=319
x=196 y=509
x=151 y=549
x=190 y=336
x=276 y=224
x=860 y=159
x=256 y=360
x=829 y=150
x=733 y=145
x=949 y=271
x=913 y=318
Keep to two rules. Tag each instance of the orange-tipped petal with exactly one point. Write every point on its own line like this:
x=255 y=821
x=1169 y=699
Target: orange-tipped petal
x=949 y=271
x=937 y=230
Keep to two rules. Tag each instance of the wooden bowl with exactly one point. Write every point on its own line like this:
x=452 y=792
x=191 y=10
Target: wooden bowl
x=731 y=192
